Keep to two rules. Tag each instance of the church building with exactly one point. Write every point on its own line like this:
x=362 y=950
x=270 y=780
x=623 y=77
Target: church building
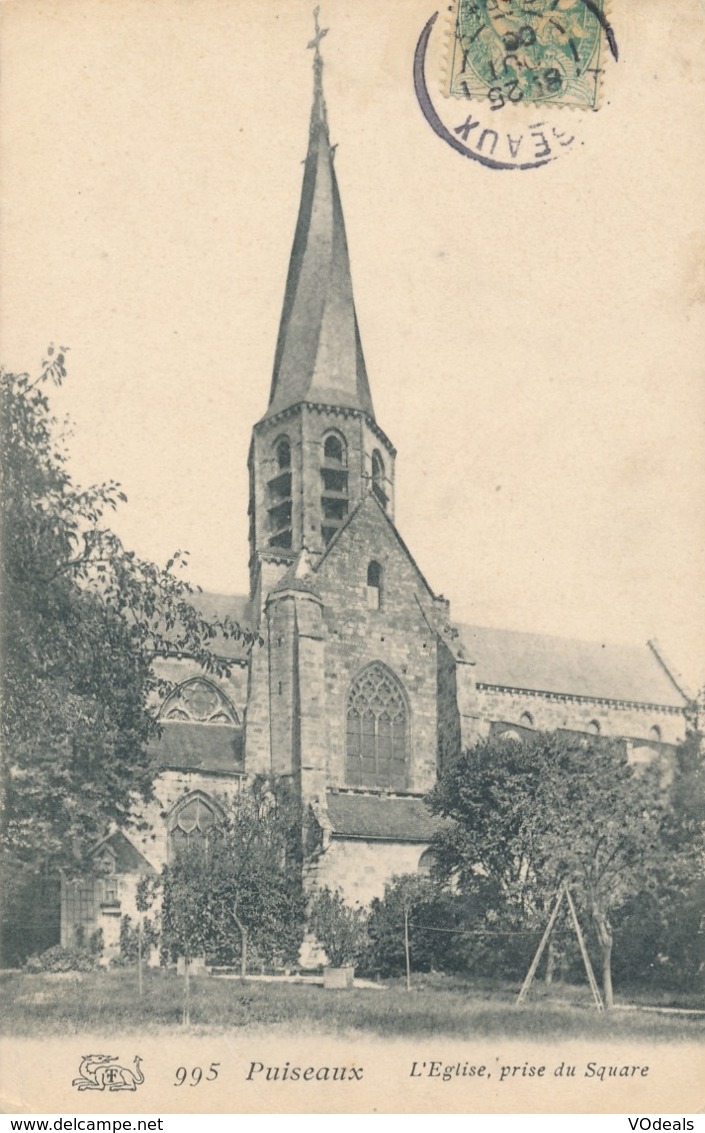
x=364 y=688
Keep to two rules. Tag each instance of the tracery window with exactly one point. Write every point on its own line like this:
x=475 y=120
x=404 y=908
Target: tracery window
x=334 y=485
x=193 y=824
x=199 y=702
x=377 y=747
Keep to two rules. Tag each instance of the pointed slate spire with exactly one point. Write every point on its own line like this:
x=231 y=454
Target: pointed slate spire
x=319 y=354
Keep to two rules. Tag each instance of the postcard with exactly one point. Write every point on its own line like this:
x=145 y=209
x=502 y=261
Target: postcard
x=379 y=329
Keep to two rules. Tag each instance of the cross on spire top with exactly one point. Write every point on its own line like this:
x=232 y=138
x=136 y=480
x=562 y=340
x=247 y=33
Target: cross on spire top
x=320 y=32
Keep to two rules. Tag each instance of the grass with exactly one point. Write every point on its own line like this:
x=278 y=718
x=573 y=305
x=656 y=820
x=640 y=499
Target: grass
x=108 y=1001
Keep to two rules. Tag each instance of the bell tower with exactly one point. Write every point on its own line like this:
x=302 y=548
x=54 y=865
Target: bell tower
x=318 y=449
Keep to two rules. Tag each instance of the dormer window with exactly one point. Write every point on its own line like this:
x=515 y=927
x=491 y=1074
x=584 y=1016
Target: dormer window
x=374 y=586
x=379 y=479
x=334 y=485
x=279 y=495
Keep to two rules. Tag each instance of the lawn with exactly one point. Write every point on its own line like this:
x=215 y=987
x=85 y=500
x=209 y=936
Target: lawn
x=108 y=1001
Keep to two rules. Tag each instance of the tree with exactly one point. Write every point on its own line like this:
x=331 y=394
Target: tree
x=437 y=922
x=526 y=816
x=83 y=620
x=242 y=892
x=340 y=928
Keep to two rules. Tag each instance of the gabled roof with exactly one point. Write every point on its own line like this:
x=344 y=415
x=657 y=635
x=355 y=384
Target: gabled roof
x=386 y=818
x=127 y=858
x=380 y=817
x=319 y=353
x=349 y=519
x=543 y=663
x=532 y=661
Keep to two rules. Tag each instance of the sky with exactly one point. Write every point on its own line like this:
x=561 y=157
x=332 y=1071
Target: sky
x=534 y=340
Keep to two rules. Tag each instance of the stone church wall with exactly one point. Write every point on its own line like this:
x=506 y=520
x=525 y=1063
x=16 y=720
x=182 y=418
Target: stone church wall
x=398 y=635
x=549 y=712
x=169 y=788
x=361 y=869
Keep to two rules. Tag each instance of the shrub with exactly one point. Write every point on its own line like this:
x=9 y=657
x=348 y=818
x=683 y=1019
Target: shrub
x=341 y=929
x=58 y=959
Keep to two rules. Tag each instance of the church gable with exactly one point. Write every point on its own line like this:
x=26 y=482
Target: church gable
x=380 y=658
x=370 y=537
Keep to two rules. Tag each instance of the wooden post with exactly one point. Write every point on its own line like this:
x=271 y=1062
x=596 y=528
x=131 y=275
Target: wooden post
x=243 y=954
x=187 y=991
x=584 y=953
x=406 y=949
x=139 y=958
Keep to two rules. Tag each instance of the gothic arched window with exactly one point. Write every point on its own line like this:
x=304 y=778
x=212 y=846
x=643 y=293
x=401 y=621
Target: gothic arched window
x=194 y=823
x=526 y=720
x=199 y=702
x=377 y=739
x=374 y=586
x=279 y=495
x=334 y=485
x=379 y=479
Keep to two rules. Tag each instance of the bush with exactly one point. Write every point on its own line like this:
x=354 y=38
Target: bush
x=58 y=959
x=341 y=929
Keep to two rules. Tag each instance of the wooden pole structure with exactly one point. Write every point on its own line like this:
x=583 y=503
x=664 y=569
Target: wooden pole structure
x=544 y=941
x=563 y=891
x=584 y=953
x=406 y=949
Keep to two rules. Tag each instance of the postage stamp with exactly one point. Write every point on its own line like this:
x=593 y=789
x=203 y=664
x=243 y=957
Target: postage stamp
x=537 y=51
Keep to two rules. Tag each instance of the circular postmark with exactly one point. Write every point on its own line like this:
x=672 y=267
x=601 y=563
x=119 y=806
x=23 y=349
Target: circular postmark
x=522 y=68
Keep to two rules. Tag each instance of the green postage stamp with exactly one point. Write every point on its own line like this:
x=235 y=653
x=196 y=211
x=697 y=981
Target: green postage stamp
x=537 y=51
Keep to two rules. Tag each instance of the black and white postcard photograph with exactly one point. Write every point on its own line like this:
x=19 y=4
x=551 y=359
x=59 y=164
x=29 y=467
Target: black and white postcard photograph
x=353 y=557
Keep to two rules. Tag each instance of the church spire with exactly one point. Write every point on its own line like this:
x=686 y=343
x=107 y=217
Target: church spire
x=319 y=354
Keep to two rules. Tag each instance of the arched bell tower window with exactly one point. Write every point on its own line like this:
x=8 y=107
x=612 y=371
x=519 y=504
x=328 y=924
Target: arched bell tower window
x=374 y=586
x=279 y=495
x=334 y=485
x=193 y=824
x=377 y=731
x=379 y=479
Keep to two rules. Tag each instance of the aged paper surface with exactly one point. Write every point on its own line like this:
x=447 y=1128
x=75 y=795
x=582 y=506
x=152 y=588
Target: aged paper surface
x=534 y=338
